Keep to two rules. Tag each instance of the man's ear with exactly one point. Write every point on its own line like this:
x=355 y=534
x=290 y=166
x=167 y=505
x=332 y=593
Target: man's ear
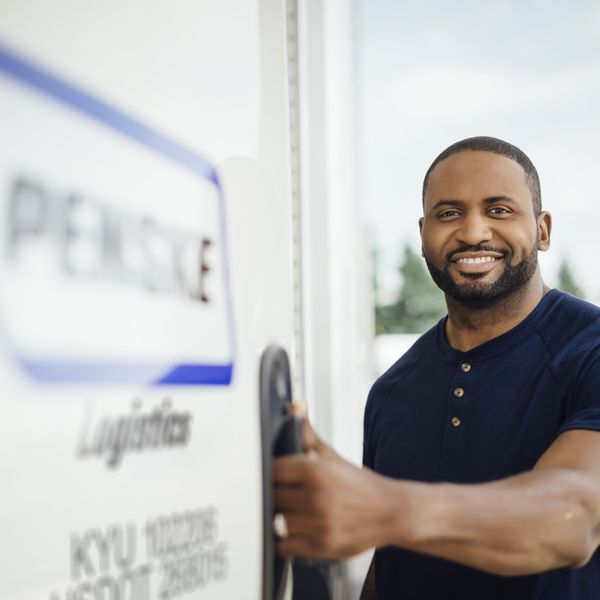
x=421 y=234
x=544 y=230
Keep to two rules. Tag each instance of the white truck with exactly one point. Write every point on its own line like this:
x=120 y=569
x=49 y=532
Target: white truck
x=179 y=232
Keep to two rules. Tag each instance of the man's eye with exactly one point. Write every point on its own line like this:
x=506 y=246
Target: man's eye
x=499 y=210
x=448 y=213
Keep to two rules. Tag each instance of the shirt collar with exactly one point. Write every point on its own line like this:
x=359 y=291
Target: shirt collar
x=499 y=344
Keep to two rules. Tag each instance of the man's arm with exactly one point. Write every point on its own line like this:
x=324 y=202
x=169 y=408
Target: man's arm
x=546 y=518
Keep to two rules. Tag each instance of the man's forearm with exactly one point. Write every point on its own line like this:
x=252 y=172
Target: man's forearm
x=542 y=519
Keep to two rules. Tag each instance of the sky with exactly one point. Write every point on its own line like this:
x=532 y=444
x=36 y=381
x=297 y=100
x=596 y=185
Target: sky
x=527 y=71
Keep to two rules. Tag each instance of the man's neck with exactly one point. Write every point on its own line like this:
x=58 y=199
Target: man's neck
x=468 y=327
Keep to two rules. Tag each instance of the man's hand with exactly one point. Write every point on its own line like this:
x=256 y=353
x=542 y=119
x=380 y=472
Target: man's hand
x=333 y=509
x=542 y=519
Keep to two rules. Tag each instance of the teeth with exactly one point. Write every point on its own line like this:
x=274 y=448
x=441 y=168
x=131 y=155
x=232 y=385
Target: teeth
x=477 y=260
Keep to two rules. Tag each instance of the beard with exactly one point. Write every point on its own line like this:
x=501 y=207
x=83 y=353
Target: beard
x=481 y=294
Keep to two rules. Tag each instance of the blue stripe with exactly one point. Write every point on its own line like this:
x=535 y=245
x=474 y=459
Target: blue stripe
x=107 y=372
x=63 y=91
x=92 y=372
x=195 y=374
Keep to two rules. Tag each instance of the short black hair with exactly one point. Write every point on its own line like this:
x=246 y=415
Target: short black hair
x=495 y=146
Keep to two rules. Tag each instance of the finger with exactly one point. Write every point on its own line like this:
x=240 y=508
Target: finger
x=299 y=409
x=310 y=440
x=300 y=545
x=313 y=444
x=302 y=525
x=292 y=469
x=286 y=498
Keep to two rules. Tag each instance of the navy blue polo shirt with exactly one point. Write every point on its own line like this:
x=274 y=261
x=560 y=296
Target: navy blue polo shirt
x=439 y=414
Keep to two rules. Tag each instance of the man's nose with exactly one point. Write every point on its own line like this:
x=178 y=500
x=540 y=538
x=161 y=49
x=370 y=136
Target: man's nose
x=474 y=229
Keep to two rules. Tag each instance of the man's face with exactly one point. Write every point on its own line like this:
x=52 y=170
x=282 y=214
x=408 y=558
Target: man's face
x=479 y=232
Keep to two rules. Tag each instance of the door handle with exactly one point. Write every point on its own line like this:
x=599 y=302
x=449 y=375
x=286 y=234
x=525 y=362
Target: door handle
x=281 y=434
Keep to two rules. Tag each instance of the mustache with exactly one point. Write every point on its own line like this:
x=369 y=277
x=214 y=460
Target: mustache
x=478 y=248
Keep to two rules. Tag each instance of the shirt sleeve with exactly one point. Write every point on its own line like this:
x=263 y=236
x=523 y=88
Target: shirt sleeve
x=368 y=458
x=585 y=404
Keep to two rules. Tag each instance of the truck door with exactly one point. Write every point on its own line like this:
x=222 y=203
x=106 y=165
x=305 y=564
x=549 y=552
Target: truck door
x=144 y=268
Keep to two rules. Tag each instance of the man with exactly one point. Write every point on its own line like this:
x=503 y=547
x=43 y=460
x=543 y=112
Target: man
x=482 y=456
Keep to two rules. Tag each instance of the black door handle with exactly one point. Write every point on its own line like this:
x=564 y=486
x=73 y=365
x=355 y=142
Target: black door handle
x=281 y=434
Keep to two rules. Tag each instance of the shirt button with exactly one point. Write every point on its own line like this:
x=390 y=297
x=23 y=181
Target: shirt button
x=459 y=392
x=455 y=421
x=465 y=367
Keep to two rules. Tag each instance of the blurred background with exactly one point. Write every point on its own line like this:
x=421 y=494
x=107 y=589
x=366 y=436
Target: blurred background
x=431 y=73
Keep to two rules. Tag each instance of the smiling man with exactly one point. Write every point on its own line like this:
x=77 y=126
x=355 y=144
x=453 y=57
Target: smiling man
x=481 y=446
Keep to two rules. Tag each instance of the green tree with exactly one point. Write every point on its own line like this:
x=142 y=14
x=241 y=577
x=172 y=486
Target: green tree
x=420 y=303
x=566 y=279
